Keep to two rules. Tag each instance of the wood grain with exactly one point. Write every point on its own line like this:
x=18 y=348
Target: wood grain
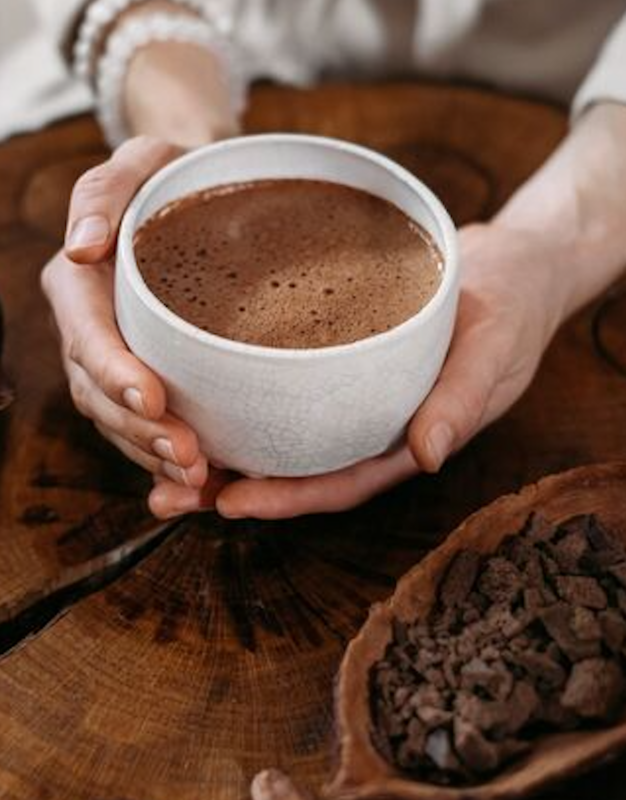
x=180 y=669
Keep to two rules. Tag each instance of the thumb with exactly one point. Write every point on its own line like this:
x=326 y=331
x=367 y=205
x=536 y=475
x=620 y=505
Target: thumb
x=461 y=402
x=102 y=194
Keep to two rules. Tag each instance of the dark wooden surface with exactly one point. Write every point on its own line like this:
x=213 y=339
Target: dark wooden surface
x=147 y=662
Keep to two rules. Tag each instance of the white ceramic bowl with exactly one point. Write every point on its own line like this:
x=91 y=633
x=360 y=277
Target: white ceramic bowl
x=269 y=411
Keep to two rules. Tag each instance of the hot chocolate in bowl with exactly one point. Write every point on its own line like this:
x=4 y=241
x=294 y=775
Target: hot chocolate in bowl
x=289 y=410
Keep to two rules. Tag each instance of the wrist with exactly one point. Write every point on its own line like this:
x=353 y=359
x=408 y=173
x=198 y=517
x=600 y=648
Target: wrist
x=173 y=91
x=537 y=270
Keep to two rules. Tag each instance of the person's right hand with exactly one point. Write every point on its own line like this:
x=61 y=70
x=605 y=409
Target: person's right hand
x=109 y=385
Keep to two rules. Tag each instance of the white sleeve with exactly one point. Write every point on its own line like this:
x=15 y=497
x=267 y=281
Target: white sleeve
x=58 y=18
x=607 y=79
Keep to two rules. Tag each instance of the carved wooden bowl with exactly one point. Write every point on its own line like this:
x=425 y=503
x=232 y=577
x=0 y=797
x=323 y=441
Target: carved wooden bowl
x=362 y=771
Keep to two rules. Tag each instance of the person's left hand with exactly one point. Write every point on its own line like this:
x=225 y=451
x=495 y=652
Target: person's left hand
x=511 y=304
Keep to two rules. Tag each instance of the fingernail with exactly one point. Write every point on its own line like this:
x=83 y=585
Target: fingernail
x=162 y=447
x=91 y=231
x=223 y=510
x=134 y=400
x=439 y=444
x=175 y=473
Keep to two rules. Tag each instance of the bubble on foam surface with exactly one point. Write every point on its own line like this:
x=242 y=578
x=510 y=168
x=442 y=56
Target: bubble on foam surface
x=288 y=263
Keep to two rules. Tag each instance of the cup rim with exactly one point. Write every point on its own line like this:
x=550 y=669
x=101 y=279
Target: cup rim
x=127 y=262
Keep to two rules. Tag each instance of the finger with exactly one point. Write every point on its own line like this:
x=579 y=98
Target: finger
x=102 y=194
x=82 y=301
x=168 y=499
x=195 y=475
x=282 y=498
x=460 y=403
x=168 y=438
x=150 y=463
x=274 y=785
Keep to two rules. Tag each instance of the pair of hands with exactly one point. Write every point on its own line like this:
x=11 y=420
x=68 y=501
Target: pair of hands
x=508 y=312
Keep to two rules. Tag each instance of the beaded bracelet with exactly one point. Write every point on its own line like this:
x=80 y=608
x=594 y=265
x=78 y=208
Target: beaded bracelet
x=158 y=27
x=101 y=15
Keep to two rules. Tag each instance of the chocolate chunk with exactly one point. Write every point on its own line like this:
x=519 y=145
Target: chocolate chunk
x=521 y=706
x=619 y=572
x=500 y=580
x=495 y=678
x=544 y=670
x=411 y=750
x=533 y=601
x=569 y=551
x=477 y=753
x=538 y=529
x=499 y=718
x=536 y=579
x=613 y=628
x=581 y=590
x=556 y=620
x=434 y=717
x=594 y=689
x=459 y=578
x=584 y=624
x=608 y=550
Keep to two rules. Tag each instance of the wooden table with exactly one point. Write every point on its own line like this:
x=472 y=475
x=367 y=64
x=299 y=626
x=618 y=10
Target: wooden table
x=141 y=661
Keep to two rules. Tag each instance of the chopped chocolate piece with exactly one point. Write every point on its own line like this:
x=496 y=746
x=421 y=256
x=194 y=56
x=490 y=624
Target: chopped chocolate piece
x=434 y=717
x=451 y=672
x=581 y=590
x=521 y=706
x=411 y=751
x=401 y=695
x=427 y=695
x=427 y=658
x=556 y=619
x=584 y=624
x=613 y=627
x=495 y=678
x=595 y=688
x=439 y=750
x=533 y=601
x=569 y=551
x=499 y=718
x=500 y=580
x=619 y=572
x=543 y=669
x=460 y=577
x=535 y=578
x=538 y=529
x=608 y=550
x=549 y=565
x=477 y=753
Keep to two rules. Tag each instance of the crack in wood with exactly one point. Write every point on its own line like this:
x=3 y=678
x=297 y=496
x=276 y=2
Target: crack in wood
x=21 y=621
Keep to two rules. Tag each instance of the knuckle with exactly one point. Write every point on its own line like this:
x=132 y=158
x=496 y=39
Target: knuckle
x=73 y=348
x=79 y=396
x=97 y=181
